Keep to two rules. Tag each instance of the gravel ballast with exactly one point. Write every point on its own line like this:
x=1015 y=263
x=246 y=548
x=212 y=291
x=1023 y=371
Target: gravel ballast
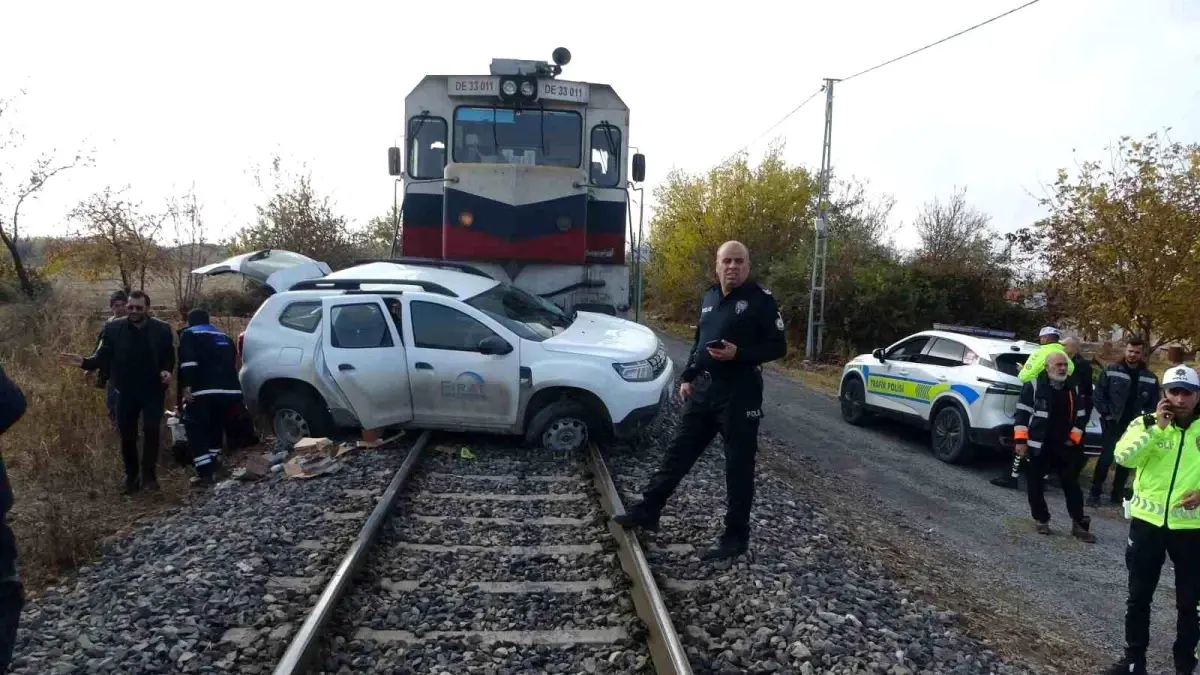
x=482 y=588
x=220 y=585
x=805 y=600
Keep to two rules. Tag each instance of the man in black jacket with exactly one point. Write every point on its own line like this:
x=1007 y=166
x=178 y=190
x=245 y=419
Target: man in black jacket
x=1126 y=390
x=116 y=303
x=1048 y=429
x=740 y=328
x=138 y=354
x=12 y=594
x=211 y=389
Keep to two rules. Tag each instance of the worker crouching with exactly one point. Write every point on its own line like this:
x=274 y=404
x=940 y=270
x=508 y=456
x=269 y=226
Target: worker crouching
x=1049 y=431
x=211 y=391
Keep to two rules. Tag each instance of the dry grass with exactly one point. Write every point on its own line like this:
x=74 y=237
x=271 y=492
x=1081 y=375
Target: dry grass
x=63 y=456
x=824 y=378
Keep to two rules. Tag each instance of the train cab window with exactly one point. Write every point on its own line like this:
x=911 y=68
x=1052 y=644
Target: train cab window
x=426 y=147
x=503 y=136
x=606 y=155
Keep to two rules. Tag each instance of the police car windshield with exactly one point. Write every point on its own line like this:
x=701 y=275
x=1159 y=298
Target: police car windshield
x=502 y=136
x=522 y=312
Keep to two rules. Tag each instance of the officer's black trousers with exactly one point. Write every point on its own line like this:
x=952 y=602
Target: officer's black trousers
x=1144 y=557
x=738 y=425
x=1112 y=431
x=12 y=593
x=133 y=404
x=1065 y=462
x=205 y=419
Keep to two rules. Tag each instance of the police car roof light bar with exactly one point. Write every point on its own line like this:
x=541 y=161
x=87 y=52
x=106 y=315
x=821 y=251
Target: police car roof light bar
x=357 y=284
x=972 y=330
x=428 y=262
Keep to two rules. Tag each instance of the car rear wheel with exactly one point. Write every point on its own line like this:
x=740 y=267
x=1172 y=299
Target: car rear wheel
x=854 y=401
x=949 y=435
x=296 y=415
x=563 y=426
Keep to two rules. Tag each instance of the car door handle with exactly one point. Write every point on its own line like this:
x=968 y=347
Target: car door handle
x=421 y=365
x=345 y=366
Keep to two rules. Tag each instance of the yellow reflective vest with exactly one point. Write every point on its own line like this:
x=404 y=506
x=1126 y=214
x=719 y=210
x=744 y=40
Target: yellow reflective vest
x=1168 y=467
x=1036 y=362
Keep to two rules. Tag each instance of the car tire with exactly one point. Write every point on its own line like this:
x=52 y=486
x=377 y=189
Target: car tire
x=950 y=435
x=563 y=426
x=853 y=400
x=295 y=415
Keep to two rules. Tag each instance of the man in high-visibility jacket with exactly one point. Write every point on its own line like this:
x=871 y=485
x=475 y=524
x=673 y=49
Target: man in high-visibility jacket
x=1034 y=365
x=1164 y=448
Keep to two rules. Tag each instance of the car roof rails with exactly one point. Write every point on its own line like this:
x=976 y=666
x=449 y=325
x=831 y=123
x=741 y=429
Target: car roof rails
x=357 y=284
x=429 y=262
x=977 y=332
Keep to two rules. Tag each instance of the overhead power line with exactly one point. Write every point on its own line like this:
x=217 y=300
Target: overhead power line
x=872 y=68
x=934 y=44
x=773 y=126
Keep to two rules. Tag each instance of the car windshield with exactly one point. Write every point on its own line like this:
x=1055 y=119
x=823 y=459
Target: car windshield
x=522 y=312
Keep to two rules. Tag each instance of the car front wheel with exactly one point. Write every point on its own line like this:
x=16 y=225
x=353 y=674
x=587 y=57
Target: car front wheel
x=950 y=437
x=854 y=401
x=295 y=416
x=560 y=427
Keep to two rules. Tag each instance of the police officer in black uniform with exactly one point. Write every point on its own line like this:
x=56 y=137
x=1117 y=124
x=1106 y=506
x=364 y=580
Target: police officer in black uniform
x=740 y=328
x=211 y=389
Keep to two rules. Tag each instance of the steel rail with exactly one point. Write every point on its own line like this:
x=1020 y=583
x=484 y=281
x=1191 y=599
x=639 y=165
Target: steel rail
x=304 y=645
x=666 y=649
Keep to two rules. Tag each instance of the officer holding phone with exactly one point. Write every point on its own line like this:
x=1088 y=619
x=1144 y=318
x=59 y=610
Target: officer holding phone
x=740 y=328
x=1164 y=448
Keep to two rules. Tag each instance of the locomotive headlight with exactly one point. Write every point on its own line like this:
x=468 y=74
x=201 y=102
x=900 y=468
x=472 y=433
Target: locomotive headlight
x=527 y=89
x=466 y=219
x=509 y=87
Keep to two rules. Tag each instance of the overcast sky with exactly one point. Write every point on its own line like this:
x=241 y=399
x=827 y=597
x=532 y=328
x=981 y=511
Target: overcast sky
x=171 y=93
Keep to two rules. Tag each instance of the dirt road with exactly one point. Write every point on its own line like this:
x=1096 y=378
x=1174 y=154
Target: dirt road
x=1066 y=596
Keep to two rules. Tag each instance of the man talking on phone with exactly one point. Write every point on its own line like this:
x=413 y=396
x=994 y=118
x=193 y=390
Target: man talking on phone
x=740 y=328
x=1164 y=448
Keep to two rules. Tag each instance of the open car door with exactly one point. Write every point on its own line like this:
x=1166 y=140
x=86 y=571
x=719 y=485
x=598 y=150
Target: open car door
x=364 y=355
x=274 y=268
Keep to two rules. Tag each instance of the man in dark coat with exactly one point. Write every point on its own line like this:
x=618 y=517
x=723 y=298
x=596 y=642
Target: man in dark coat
x=138 y=354
x=12 y=594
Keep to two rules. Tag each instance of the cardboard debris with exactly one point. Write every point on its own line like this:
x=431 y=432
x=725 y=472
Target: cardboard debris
x=380 y=442
x=302 y=466
x=372 y=435
x=313 y=446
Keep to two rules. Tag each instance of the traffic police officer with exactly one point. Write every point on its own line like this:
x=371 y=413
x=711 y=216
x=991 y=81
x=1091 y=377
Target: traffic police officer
x=209 y=381
x=739 y=329
x=1164 y=448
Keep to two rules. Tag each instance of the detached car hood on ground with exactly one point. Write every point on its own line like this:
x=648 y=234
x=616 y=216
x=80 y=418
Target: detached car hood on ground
x=604 y=336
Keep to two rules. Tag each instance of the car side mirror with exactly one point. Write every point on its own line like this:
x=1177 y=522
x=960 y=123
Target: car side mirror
x=493 y=344
x=878 y=353
x=639 y=168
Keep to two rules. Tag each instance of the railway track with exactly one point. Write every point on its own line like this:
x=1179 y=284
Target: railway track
x=498 y=562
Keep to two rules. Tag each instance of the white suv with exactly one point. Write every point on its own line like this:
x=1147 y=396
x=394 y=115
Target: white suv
x=436 y=344
x=958 y=382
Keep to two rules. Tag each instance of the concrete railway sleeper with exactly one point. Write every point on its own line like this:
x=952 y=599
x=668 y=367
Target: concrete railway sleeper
x=495 y=562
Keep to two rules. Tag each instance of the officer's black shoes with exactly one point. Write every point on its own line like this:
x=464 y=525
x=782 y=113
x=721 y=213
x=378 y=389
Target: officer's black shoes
x=1079 y=530
x=640 y=516
x=1008 y=481
x=726 y=548
x=201 y=482
x=150 y=484
x=1086 y=523
x=1043 y=528
x=132 y=486
x=1093 y=501
x=1126 y=667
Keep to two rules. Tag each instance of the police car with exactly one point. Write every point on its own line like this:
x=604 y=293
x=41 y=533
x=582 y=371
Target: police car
x=958 y=382
x=434 y=344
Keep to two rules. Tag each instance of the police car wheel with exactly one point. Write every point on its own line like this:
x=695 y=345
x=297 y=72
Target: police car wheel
x=950 y=435
x=854 y=401
x=560 y=427
x=295 y=416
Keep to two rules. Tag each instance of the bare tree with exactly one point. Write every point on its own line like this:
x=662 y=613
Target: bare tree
x=955 y=236
x=14 y=196
x=113 y=233
x=189 y=248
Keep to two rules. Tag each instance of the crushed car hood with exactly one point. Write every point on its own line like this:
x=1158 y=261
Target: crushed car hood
x=605 y=336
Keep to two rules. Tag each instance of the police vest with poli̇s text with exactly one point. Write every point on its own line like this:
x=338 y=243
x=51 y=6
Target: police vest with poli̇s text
x=1168 y=466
